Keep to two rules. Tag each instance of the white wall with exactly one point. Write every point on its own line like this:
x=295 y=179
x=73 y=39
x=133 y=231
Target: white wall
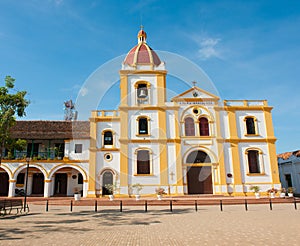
x=152 y=124
x=85 y=149
x=112 y=125
x=152 y=181
x=264 y=161
x=241 y=124
x=132 y=79
x=172 y=122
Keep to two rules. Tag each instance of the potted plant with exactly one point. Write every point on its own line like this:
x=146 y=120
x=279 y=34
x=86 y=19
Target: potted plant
x=77 y=194
x=256 y=190
x=111 y=189
x=10 y=156
x=282 y=192
x=290 y=191
x=159 y=192
x=272 y=192
x=137 y=187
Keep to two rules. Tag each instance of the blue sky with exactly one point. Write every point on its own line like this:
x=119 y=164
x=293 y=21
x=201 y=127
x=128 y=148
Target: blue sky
x=249 y=49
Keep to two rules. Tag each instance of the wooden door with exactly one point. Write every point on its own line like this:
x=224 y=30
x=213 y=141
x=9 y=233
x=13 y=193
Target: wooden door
x=4 y=185
x=61 y=182
x=199 y=180
x=38 y=184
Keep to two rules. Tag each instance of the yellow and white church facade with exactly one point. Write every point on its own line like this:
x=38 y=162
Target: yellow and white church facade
x=194 y=144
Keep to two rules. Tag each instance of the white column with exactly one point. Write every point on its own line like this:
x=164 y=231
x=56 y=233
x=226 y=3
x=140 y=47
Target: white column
x=29 y=184
x=47 y=188
x=197 y=127
x=85 y=188
x=67 y=149
x=12 y=187
x=69 y=185
x=52 y=186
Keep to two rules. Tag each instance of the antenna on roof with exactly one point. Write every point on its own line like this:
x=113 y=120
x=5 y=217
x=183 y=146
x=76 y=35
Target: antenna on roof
x=70 y=112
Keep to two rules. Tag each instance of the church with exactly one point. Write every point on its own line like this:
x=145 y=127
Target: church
x=195 y=143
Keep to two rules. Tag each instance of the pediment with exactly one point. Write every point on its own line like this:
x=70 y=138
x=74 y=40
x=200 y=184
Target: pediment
x=195 y=94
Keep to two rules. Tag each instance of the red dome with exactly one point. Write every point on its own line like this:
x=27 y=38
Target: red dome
x=142 y=54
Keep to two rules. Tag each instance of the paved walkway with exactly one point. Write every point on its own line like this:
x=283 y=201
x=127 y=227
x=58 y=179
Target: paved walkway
x=184 y=226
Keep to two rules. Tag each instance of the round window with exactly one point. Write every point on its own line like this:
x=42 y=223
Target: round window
x=195 y=111
x=108 y=156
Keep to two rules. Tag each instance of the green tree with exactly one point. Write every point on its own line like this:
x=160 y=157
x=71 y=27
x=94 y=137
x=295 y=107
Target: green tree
x=12 y=104
x=15 y=144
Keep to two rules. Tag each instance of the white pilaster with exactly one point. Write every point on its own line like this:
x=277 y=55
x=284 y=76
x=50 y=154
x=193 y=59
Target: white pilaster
x=67 y=149
x=70 y=188
x=47 y=188
x=85 y=188
x=12 y=187
x=29 y=185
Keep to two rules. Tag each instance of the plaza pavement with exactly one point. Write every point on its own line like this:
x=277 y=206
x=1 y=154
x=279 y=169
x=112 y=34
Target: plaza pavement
x=184 y=226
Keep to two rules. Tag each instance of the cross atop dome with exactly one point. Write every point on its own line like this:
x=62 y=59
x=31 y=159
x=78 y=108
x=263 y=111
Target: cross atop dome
x=142 y=36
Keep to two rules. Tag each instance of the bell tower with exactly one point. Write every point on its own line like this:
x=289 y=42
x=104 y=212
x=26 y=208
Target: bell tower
x=143 y=75
x=142 y=111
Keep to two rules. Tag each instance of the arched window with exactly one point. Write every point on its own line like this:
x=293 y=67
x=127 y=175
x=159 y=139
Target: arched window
x=203 y=126
x=143 y=162
x=250 y=125
x=142 y=92
x=198 y=156
x=253 y=161
x=189 y=126
x=143 y=126
x=107 y=180
x=108 y=138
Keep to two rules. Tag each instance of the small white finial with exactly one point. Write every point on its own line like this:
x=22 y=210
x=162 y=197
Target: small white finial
x=194 y=83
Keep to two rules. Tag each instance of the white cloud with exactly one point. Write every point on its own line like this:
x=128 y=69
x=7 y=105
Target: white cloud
x=208 y=48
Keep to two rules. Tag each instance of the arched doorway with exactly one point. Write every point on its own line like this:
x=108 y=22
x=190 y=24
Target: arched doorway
x=199 y=178
x=67 y=180
x=107 y=179
x=4 y=184
x=35 y=181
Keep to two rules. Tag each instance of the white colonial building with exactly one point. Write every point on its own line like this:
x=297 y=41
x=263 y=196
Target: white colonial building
x=194 y=144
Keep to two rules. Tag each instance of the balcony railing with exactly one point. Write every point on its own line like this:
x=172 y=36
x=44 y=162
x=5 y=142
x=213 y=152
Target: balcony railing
x=245 y=103
x=45 y=155
x=105 y=113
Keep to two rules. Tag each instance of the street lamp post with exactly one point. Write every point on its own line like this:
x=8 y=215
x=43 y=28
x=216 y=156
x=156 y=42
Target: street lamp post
x=26 y=182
